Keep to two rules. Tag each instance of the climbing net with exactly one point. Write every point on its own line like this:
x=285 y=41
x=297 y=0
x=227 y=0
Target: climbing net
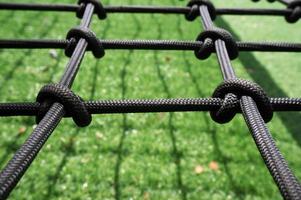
x=232 y=96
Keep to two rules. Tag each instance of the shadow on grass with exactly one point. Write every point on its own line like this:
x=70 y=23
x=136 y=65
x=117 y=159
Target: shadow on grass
x=260 y=75
x=13 y=146
x=94 y=79
x=125 y=126
x=119 y=150
x=9 y=15
x=98 y=61
x=55 y=66
x=4 y=20
x=176 y=154
x=18 y=63
x=68 y=150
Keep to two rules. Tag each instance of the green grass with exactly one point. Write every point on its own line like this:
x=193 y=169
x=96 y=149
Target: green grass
x=148 y=156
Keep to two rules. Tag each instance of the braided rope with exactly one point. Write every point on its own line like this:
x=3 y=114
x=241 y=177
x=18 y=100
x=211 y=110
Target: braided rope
x=232 y=96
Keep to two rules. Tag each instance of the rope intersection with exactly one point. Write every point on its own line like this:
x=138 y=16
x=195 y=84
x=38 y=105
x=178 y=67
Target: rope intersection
x=232 y=96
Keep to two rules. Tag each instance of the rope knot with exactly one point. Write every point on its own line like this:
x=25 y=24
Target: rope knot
x=98 y=8
x=208 y=37
x=195 y=12
x=73 y=104
x=231 y=91
x=295 y=15
x=77 y=33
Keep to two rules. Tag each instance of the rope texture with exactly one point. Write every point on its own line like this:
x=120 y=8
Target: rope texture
x=148 y=44
x=233 y=89
x=77 y=33
x=98 y=8
x=291 y=13
x=17 y=166
x=232 y=96
x=208 y=37
x=148 y=105
x=250 y=101
x=72 y=103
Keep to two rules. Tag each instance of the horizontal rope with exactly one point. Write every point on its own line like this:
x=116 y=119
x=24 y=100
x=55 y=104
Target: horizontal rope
x=39 y=7
x=241 y=96
x=141 y=9
x=148 y=105
x=149 y=44
x=253 y=11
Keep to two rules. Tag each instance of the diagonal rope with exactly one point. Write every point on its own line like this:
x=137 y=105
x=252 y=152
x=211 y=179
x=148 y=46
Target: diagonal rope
x=283 y=176
x=17 y=166
x=234 y=95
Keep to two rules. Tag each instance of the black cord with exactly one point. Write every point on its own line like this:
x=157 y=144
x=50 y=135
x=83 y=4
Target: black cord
x=141 y=9
x=147 y=106
x=17 y=166
x=287 y=183
x=234 y=95
x=149 y=44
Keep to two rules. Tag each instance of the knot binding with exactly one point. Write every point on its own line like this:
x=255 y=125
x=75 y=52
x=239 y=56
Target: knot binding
x=77 y=33
x=72 y=103
x=98 y=8
x=208 y=37
x=295 y=15
x=227 y=111
x=231 y=91
x=195 y=12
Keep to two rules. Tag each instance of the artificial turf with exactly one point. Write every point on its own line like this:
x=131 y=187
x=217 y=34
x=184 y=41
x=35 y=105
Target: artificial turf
x=148 y=156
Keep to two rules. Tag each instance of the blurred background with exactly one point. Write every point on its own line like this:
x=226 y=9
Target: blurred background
x=148 y=156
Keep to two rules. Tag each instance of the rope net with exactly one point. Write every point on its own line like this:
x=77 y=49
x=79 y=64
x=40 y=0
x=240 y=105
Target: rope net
x=232 y=96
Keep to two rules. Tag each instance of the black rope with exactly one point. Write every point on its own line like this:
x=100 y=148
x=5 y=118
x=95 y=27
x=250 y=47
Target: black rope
x=147 y=106
x=208 y=37
x=98 y=8
x=271 y=1
x=14 y=170
x=148 y=44
x=39 y=7
x=73 y=104
x=252 y=11
x=287 y=183
x=295 y=15
x=232 y=96
x=195 y=12
x=77 y=33
x=142 y=9
x=233 y=89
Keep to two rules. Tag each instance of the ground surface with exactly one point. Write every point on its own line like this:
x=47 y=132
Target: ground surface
x=148 y=156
